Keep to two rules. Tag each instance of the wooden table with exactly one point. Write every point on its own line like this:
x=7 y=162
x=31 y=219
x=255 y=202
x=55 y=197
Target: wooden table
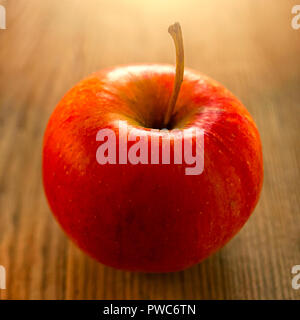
x=49 y=45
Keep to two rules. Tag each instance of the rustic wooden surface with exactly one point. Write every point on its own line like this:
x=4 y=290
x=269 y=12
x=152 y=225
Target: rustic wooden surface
x=49 y=45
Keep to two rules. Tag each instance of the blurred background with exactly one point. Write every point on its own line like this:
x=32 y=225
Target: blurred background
x=49 y=45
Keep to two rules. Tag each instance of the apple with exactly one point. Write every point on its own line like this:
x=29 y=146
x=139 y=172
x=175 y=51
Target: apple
x=151 y=217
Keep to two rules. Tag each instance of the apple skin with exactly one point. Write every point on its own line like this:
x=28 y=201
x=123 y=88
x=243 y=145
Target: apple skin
x=151 y=218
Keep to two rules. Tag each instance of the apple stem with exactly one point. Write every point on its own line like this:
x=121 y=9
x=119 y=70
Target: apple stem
x=175 y=32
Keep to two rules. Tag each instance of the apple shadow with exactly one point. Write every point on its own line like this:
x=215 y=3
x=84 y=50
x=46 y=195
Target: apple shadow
x=230 y=273
x=205 y=280
x=221 y=276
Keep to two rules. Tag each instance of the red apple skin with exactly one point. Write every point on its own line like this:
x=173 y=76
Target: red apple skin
x=150 y=218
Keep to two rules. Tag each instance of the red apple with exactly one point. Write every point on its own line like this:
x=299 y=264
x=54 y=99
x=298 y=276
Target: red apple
x=151 y=217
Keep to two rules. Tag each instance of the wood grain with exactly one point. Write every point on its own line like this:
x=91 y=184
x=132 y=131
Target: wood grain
x=51 y=44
